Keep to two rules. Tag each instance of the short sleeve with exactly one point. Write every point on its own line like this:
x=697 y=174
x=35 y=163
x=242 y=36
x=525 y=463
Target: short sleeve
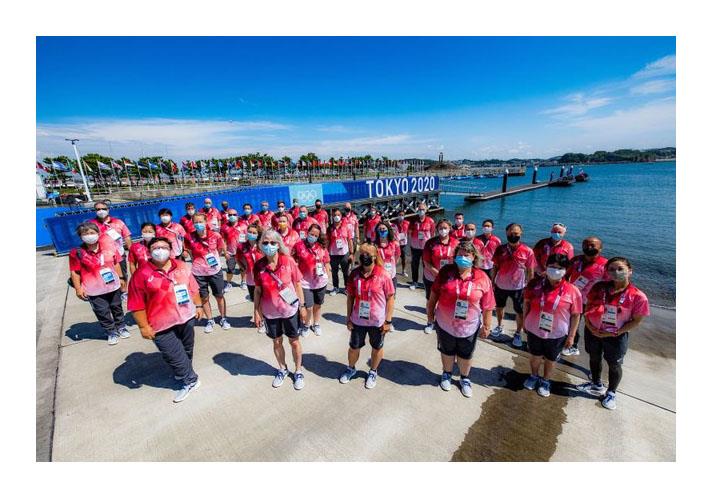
x=326 y=259
x=132 y=255
x=577 y=301
x=193 y=288
x=125 y=232
x=570 y=252
x=296 y=274
x=531 y=260
x=388 y=288
x=137 y=295
x=256 y=274
x=641 y=306
x=74 y=264
x=487 y=302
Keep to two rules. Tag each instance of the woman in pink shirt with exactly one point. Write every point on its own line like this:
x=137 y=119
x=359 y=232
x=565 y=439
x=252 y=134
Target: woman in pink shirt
x=248 y=254
x=402 y=225
x=313 y=261
x=461 y=303
x=388 y=249
x=138 y=252
x=279 y=303
x=552 y=310
x=341 y=249
x=614 y=307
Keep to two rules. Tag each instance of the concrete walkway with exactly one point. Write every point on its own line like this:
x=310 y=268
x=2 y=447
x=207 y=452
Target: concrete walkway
x=115 y=403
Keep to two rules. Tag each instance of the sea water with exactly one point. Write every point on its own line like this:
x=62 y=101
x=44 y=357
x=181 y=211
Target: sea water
x=630 y=207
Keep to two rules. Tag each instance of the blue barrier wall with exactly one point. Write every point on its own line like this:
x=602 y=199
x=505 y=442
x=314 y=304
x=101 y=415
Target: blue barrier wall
x=59 y=229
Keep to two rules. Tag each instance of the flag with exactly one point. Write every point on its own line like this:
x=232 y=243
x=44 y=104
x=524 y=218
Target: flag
x=59 y=166
x=128 y=163
x=41 y=166
x=116 y=165
x=174 y=167
x=102 y=166
x=151 y=165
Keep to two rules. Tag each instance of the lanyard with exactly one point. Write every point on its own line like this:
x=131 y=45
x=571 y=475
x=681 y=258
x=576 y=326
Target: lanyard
x=314 y=253
x=556 y=301
x=368 y=290
x=469 y=288
x=624 y=294
x=440 y=250
x=275 y=277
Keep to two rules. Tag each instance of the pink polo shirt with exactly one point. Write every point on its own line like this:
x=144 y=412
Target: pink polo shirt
x=421 y=231
x=112 y=231
x=204 y=251
x=286 y=275
x=339 y=236
x=176 y=234
x=438 y=254
x=512 y=265
x=546 y=247
x=450 y=287
x=375 y=289
x=390 y=253
x=307 y=257
x=96 y=269
x=628 y=303
x=489 y=246
x=249 y=255
x=561 y=301
x=585 y=275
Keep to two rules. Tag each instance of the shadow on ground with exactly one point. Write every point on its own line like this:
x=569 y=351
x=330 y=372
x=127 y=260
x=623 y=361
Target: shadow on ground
x=145 y=369
x=239 y=364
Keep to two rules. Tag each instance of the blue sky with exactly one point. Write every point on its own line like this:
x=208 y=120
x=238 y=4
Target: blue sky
x=402 y=97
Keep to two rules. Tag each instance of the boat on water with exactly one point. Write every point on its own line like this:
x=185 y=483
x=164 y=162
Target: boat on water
x=582 y=176
x=562 y=181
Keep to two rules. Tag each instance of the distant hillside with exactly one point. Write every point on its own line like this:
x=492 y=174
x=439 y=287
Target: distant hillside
x=621 y=155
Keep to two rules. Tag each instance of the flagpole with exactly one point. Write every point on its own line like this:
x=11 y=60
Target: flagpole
x=79 y=164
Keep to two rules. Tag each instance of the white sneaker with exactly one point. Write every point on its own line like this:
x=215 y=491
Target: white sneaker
x=298 y=380
x=279 y=377
x=347 y=375
x=262 y=329
x=429 y=328
x=572 y=351
x=609 y=401
x=466 y=387
x=113 y=339
x=446 y=381
x=124 y=333
x=371 y=379
x=591 y=388
x=496 y=332
x=227 y=288
x=544 y=389
x=243 y=286
x=225 y=324
x=304 y=331
x=517 y=340
x=185 y=391
x=333 y=292
x=531 y=382
x=412 y=286
x=316 y=328
x=209 y=326
x=405 y=274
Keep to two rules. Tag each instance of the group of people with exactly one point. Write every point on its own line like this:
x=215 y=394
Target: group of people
x=286 y=258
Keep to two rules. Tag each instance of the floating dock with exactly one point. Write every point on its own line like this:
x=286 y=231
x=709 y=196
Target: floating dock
x=496 y=194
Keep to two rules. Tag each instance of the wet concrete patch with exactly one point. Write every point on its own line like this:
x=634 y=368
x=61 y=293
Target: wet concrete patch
x=516 y=425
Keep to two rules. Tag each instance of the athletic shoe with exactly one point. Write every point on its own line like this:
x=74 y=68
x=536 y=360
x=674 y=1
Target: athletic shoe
x=304 y=331
x=316 y=328
x=347 y=375
x=224 y=323
x=429 y=328
x=248 y=298
x=262 y=329
x=572 y=351
x=609 y=401
x=531 y=382
x=412 y=286
x=209 y=326
x=466 y=387
x=279 y=378
x=333 y=292
x=371 y=379
x=227 y=287
x=124 y=333
x=185 y=391
x=243 y=286
x=496 y=332
x=517 y=340
x=591 y=388
x=544 y=388
x=445 y=381
x=298 y=380
x=113 y=339
x=405 y=274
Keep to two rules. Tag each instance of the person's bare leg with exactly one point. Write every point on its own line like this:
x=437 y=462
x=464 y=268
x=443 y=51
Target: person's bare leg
x=500 y=316
x=206 y=307
x=353 y=356
x=317 y=314
x=464 y=366
x=376 y=357
x=296 y=353
x=448 y=362
x=278 y=347
x=534 y=364
x=221 y=306
x=520 y=322
x=548 y=368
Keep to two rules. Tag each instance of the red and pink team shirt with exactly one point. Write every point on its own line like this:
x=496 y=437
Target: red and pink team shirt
x=585 y=275
x=560 y=301
x=390 y=253
x=205 y=252
x=352 y=220
x=546 y=247
x=275 y=219
x=301 y=226
x=223 y=216
x=290 y=238
x=421 y=232
x=176 y=234
x=489 y=246
x=609 y=312
x=312 y=261
x=478 y=244
x=96 y=269
x=374 y=290
x=321 y=217
x=138 y=254
x=475 y=290
x=165 y=296
x=438 y=254
x=233 y=234
x=294 y=211
x=249 y=254
x=339 y=236
x=213 y=218
x=113 y=231
x=186 y=222
x=512 y=265
x=402 y=227
x=265 y=218
x=285 y=275
x=369 y=227
x=249 y=220
x=458 y=232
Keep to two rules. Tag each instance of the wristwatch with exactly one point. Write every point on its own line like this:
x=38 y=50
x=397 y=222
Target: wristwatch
x=388 y=322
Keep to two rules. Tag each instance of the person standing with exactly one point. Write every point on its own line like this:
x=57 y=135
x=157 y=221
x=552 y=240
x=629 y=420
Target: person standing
x=313 y=261
x=278 y=303
x=289 y=236
x=186 y=221
x=341 y=249
x=490 y=243
x=223 y=212
x=421 y=230
x=265 y=215
x=351 y=219
x=303 y=222
x=172 y=231
x=113 y=232
x=369 y=226
x=320 y=215
x=95 y=274
x=554 y=244
x=369 y=307
x=248 y=218
x=205 y=248
x=438 y=252
x=402 y=225
x=461 y=303
x=458 y=227
x=614 y=308
x=281 y=210
x=138 y=252
x=212 y=215
x=552 y=310
x=388 y=250
x=233 y=234
x=294 y=210
x=584 y=272
x=165 y=302
x=514 y=266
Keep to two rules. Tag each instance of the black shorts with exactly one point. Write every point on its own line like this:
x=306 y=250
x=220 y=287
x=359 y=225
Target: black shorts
x=548 y=348
x=358 y=337
x=314 y=296
x=232 y=268
x=613 y=349
x=449 y=345
x=276 y=327
x=215 y=282
x=501 y=295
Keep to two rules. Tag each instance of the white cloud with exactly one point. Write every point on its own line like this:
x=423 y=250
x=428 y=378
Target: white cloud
x=577 y=105
x=653 y=87
x=661 y=67
x=334 y=129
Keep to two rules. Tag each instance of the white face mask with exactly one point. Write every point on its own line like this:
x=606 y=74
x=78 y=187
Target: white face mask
x=555 y=273
x=487 y=229
x=470 y=234
x=165 y=218
x=148 y=236
x=102 y=213
x=160 y=254
x=444 y=232
x=90 y=238
x=337 y=219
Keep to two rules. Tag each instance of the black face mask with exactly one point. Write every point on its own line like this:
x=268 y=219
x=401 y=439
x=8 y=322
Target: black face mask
x=590 y=251
x=224 y=206
x=513 y=239
x=365 y=259
x=348 y=210
x=318 y=207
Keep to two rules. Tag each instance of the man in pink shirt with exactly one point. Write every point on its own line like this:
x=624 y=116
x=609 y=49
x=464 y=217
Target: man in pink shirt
x=320 y=215
x=212 y=215
x=421 y=230
x=514 y=266
x=113 y=232
x=303 y=222
x=555 y=244
x=172 y=231
x=369 y=226
x=490 y=242
x=351 y=218
x=265 y=215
